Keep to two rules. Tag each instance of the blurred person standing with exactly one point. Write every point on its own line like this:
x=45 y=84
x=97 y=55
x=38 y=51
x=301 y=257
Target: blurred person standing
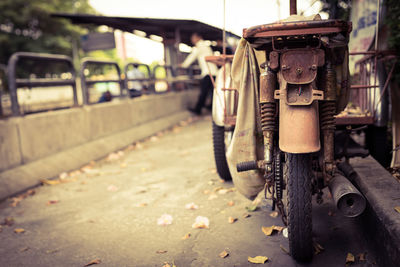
x=200 y=50
x=135 y=87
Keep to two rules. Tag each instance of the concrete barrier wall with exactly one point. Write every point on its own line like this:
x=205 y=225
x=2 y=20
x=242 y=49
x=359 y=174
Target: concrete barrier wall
x=30 y=138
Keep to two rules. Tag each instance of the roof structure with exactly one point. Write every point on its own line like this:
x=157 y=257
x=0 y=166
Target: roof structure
x=166 y=28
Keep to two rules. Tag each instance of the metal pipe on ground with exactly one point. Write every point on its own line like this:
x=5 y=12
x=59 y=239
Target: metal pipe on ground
x=347 y=170
x=346 y=196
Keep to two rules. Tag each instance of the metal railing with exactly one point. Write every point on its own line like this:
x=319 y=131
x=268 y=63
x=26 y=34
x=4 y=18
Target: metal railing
x=175 y=78
x=145 y=81
x=178 y=78
x=85 y=82
x=14 y=82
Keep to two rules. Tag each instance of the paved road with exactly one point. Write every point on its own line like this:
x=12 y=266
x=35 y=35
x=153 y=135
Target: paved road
x=110 y=213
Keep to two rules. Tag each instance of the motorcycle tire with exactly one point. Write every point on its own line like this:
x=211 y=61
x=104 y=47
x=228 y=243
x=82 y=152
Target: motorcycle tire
x=218 y=133
x=299 y=209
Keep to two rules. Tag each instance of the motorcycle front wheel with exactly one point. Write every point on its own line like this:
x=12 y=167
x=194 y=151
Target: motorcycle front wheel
x=299 y=207
x=219 y=144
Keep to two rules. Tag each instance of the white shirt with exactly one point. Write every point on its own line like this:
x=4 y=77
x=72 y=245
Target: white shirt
x=199 y=52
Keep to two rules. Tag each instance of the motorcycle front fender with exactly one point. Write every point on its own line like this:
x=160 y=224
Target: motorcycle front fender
x=299 y=128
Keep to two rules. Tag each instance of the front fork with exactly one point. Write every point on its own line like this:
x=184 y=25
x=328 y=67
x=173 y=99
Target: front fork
x=268 y=114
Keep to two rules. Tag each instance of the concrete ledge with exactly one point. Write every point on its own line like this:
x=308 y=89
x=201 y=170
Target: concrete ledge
x=380 y=220
x=25 y=176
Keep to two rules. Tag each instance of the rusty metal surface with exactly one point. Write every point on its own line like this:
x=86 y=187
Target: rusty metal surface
x=354 y=120
x=362 y=86
x=267 y=86
x=298 y=28
x=299 y=66
x=330 y=83
x=299 y=128
x=273 y=62
x=299 y=95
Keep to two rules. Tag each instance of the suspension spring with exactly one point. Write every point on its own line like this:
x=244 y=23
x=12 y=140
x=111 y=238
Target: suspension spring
x=328 y=111
x=268 y=116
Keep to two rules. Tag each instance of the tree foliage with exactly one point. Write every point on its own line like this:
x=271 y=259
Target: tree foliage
x=392 y=20
x=337 y=9
x=28 y=26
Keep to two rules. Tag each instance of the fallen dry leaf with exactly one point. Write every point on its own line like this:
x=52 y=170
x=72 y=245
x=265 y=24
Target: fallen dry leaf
x=140 y=205
x=201 y=223
x=257 y=259
x=19 y=230
x=206 y=192
x=274 y=214
x=165 y=219
x=232 y=220
x=191 y=206
x=188 y=235
x=397 y=209
x=223 y=191
x=166 y=264
x=161 y=251
x=23 y=249
x=154 y=139
x=63 y=175
x=223 y=254
x=138 y=146
x=50 y=182
x=246 y=215
x=318 y=248
x=231 y=203
x=16 y=200
x=75 y=173
x=279 y=228
x=350 y=258
x=251 y=208
x=269 y=230
x=8 y=221
x=95 y=261
x=51 y=202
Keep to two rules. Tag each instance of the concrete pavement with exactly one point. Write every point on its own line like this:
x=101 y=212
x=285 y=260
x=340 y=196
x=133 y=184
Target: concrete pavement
x=110 y=213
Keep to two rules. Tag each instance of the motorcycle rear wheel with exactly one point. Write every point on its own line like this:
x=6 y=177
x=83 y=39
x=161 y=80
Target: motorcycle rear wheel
x=299 y=206
x=219 y=145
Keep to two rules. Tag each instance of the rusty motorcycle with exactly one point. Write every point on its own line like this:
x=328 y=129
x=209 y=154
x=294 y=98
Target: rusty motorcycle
x=298 y=94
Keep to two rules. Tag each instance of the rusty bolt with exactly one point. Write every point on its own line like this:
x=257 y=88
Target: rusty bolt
x=299 y=71
x=284 y=67
x=313 y=67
